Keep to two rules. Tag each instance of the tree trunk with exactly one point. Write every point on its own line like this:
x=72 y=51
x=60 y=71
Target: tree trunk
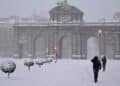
x=8 y=75
x=29 y=68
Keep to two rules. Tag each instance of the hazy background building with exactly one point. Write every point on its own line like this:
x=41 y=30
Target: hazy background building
x=39 y=13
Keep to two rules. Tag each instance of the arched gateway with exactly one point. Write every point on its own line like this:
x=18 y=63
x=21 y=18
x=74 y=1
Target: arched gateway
x=65 y=35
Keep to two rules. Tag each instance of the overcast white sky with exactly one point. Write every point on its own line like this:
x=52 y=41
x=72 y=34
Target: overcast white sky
x=93 y=9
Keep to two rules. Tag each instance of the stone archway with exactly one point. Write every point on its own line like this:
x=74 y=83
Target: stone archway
x=92 y=47
x=66 y=47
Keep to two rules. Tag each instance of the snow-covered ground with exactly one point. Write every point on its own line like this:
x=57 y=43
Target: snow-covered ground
x=63 y=73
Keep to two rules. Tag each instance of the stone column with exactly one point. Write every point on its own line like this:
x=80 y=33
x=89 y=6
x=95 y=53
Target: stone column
x=58 y=44
x=76 y=45
x=33 y=47
x=47 y=44
x=117 y=45
x=78 y=40
x=74 y=50
x=16 y=40
x=51 y=44
x=83 y=45
x=20 y=50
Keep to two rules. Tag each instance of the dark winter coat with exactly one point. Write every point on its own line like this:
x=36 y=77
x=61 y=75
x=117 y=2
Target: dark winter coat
x=96 y=63
x=104 y=60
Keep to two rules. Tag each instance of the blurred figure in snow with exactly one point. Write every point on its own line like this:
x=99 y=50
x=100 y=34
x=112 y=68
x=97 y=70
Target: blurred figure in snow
x=96 y=67
x=104 y=61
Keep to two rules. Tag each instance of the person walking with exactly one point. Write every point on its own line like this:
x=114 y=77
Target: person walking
x=104 y=61
x=96 y=67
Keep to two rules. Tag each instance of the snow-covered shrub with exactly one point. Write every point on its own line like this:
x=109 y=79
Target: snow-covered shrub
x=29 y=63
x=39 y=63
x=42 y=61
x=48 y=60
x=8 y=67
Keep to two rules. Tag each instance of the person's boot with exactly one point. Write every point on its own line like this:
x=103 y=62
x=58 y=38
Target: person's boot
x=95 y=81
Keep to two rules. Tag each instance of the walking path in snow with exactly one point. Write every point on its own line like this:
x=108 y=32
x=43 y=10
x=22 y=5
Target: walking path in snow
x=63 y=73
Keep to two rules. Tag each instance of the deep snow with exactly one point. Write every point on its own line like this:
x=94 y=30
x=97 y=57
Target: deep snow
x=63 y=73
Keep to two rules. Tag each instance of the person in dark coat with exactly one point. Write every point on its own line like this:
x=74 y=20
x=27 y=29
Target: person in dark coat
x=96 y=67
x=104 y=61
